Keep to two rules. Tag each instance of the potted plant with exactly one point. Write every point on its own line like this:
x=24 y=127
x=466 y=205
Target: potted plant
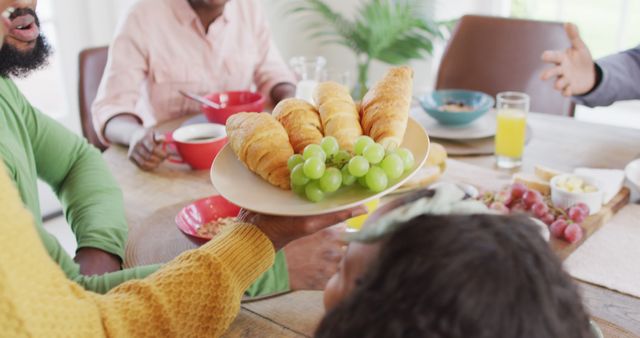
x=391 y=31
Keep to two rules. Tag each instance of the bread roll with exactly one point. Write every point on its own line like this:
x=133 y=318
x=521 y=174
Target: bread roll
x=301 y=121
x=338 y=113
x=385 y=108
x=262 y=144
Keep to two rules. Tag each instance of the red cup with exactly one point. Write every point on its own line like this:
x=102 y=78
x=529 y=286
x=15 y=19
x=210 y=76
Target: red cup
x=197 y=144
x=232 y=103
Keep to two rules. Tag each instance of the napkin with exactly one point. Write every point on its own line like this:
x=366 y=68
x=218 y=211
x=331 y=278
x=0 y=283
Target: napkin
x=610 y=179
x=610 y=256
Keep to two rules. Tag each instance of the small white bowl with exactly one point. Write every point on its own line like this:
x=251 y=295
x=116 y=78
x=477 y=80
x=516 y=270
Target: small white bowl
x=632 y=172
x=564 y=199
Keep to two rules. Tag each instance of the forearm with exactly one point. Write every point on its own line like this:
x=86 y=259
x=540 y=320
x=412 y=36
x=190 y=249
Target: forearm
x=198 y=294
x=94 y=261
x=620 y=80
x=121 y=128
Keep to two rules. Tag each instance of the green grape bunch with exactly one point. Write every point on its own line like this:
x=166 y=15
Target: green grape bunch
x=323 y=169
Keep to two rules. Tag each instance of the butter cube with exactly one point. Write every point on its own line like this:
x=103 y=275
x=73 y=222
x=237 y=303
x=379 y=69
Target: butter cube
x=575 y=183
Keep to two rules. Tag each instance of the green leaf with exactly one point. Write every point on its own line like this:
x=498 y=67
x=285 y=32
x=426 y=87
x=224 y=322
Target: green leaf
x=391 y=31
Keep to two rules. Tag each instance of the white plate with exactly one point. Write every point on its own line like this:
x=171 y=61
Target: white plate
x=632 y=172
x=483 y=127
x=240 y=186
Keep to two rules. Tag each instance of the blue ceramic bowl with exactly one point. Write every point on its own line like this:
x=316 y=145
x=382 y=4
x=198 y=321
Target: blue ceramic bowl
x=433 y=102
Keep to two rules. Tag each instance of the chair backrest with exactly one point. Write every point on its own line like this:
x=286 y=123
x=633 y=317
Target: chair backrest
x=493 y=55
x=92 y=64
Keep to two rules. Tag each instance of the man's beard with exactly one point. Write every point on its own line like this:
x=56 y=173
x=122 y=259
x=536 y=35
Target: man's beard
x=14 y=62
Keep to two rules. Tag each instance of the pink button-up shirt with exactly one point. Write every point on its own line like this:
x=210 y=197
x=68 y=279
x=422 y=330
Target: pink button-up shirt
x=162 y=48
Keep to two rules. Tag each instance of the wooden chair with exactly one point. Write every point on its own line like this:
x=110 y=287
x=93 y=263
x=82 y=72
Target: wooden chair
x=492 y=55
x=92 y=64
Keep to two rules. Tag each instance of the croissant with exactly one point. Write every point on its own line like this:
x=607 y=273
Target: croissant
x=338 y=113
x=301 y=121
x=262 y=144
x=385 y=108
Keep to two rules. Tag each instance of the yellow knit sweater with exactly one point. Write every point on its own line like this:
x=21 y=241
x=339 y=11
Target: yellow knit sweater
x=196 y=295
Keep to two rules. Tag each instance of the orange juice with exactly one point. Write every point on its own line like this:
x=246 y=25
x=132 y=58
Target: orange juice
x=354 y=224
x=510 y=133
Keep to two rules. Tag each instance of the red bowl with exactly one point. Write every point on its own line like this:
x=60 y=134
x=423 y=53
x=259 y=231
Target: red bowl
x=202 y=211
x=232 y=102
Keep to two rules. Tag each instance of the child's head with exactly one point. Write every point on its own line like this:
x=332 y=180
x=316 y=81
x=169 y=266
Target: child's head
x=454 y=276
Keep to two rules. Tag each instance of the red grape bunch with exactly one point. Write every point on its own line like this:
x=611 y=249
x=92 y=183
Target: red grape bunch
x=517 y=198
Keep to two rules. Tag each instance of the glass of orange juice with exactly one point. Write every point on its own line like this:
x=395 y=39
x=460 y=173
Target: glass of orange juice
x=355 y=224
x=512 y=108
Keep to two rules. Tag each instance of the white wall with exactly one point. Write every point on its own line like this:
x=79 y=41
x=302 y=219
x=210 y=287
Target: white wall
x=82 y=24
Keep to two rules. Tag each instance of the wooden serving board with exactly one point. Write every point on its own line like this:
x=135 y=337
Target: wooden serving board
x=592 y=223
x=488 y=179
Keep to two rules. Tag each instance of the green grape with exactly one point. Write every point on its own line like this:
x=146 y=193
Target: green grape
x=376 y=179
x=297 y=175
x=314 y=167
x=330 y=145
x=298 y=189
x=363 y=182
x=331 y=180
x=313 y=192
x=313 y=150
x=361 y=143
x=341 y=158
x=393 y=166
x=358 y=166
x=347 y=178
x=407 y=158
x=374 y=153
x=294 y=160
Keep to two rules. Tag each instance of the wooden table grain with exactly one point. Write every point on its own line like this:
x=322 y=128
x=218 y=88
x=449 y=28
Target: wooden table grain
x=563 y=143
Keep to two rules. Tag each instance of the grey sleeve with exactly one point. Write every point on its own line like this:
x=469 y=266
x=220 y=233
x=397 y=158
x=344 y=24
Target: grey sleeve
x=620 y=80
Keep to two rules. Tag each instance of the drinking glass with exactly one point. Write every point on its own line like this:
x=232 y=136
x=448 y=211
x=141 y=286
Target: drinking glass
x=309 y=71
x=512 y=108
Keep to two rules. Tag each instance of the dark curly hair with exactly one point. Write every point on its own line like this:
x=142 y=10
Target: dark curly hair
x=16 y=63
x=460 y=277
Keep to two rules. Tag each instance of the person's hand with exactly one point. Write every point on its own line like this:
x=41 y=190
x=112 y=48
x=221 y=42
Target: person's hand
x=574 y=67
x=145 y=150
x=94 y=261
x=282 y=91
x=282 y=230
x=312 y=260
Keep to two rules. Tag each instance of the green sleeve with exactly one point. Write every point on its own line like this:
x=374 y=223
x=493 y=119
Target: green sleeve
x=99 y=284
x=104 y=283
x=273 y=281
x=89 y=194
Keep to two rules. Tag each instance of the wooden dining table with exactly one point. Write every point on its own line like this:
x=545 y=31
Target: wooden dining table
x=152 y=199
